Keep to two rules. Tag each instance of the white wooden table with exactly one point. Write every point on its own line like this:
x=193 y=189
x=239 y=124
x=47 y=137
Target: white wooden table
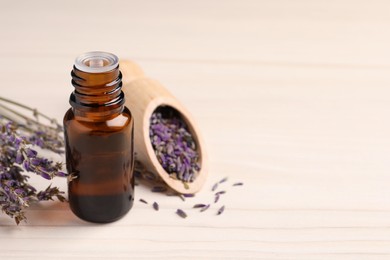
x=293 y=98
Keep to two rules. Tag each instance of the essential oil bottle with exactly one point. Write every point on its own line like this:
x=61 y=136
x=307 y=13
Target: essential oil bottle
x=99 y=141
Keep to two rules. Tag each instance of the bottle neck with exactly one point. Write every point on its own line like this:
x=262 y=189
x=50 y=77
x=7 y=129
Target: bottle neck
x=97 y=96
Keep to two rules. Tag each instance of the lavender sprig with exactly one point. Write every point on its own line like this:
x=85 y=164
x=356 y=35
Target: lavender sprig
x=47 y=136
x=18 y=156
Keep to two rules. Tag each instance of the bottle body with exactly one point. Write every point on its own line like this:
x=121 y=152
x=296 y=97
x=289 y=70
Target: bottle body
x=99 y=147
x=99 y=157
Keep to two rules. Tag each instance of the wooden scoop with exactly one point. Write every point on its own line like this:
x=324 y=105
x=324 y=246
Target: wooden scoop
x=143 y=97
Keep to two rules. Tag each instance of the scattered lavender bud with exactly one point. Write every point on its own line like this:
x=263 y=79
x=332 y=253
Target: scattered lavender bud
x=199 y=206
x=215 y=186
x=155 y=206
x=181 y=213
x=189 y=195
x=205 y=208
x=143 y=201
x=216 y=198
x=221 y=210
x=223 y=180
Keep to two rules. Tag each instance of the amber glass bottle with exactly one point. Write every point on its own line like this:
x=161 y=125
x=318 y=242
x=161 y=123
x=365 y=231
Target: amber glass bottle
x=99 y=141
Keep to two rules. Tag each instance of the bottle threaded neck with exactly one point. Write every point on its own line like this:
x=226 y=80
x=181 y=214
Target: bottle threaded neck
x=98 y=86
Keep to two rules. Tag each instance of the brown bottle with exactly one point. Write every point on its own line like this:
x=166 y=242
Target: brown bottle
x=99 y=141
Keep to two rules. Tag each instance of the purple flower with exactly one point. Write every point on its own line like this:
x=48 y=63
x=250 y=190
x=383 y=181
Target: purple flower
x=19 y=157
x=12 y=138
x=31 y=153
x=26 y=165
x=44 y=175
x=61 y=174
x=36 y=161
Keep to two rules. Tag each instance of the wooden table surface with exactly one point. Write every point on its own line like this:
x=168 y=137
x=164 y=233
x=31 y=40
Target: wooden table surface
x=292 y=97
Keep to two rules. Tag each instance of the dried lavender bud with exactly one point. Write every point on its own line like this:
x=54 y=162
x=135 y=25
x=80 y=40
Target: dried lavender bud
x=143 y=201
x=220 y=192
x=159 y=189
x=155 y=206
x=174 y=146
x=202 y=207
x=189 y=195
x=205 y=208
x=215 y=187
x=221 y=210
x=223 y=180
x=199 y=206
x=181 y=213
x=216 y=198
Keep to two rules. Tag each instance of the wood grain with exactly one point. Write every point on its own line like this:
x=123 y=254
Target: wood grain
x=292 y=97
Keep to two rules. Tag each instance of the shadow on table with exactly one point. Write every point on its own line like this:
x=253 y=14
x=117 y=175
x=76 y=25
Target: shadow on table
x=52 y=213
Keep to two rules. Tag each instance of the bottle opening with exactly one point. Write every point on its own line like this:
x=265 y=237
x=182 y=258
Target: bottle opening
x=96 y=62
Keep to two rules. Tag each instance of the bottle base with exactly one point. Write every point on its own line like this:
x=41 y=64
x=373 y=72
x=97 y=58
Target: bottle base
x=102 y=208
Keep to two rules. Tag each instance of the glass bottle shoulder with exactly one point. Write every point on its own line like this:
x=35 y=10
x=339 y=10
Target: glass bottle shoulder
x=120 y=122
